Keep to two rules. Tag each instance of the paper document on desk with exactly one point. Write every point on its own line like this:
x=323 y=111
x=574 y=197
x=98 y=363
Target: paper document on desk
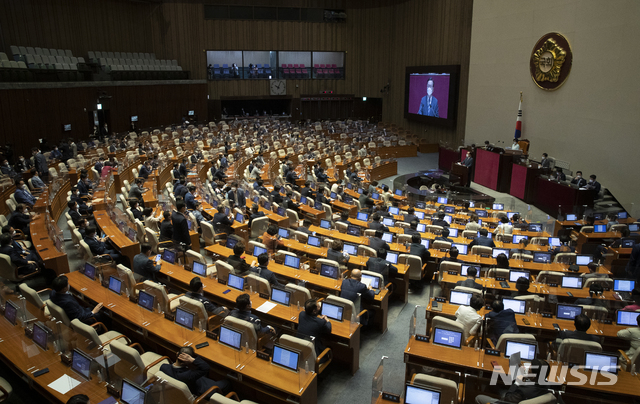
x=64 y=384
x=266 y=307
x=366 y=281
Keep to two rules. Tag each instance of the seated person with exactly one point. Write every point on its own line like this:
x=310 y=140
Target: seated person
x=311 y=325
x=135 y=209
x=410 y=216
x=453 y=256
x=20 y=219
x=635 y=295
x=522 y=245
x=380 y=265
x=195 y=292
x=243 y=312
x=271 y=239
x=352 y=287
x=519 y=223
x=482 y=240
x=582 y=324
x=470 y=282
x=504 y=227
x=240 y=266
x=469 y=317
x=24 y=261
x=593 y=272
x=98 y=246
x=473 y=224
x=22 y=195
x=344 y=218
x=502 y=261
x=522 y=287
x=366 y=203
x=377 y=242
x=444 y=236
x=440 y=220
x=376 y=223
x=60 y=296
x=193 y=371
x=595 y=289
x=633 y=336
x=413 y=228
x=564 y=245
x=306 y=223
x=335 y=253
x=221 y=221
x=503 y=321
x=416 y=248
x=143 y=266
x=255 y=213
x=519 y=392
x=264 y=272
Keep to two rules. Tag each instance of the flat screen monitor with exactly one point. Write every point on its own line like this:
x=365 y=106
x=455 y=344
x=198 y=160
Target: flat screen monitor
x=518 y=306
x=394 y=210
x=398 y=192
x=191 y=113
x=281 y=296
x=132 y=393
x=325 y=224
x=514 y=275
x=542 y=257
x=333 y=195
x=572 y=282
x=420 y=205
x=599 y=216
x=231 y=242
x=627 y=243
x=497 y=251
x=267 y=205
x=461 y=298
x=601 y=361
x=146 y=300
x=239 y=217
x=623 y=215
x=472 y=204
x=375 y=196
x=291 y=261
x=448 y=338
x=280 y=211
x=349 y=186
x=623 y=285
x=348 y=200
x=571 y=216
x=537 y=227
x=453 y=233
x=511 y=214
x=318 y=206
x=633 y=227
x=236 y=282
x=314 y=241
x=462 y=248
x=284 y=233
x=189 y=225
x=369 y=280
x=392 y=257
x=584 y=259
x=285 y=357
x=629 y=318
x=448 y=219
x=387 y=221
x=568 y=311
x=256 y=199
x=303 y=200
x=350 y=249
x=199 y=268
x=419 y=215
x=115 y=285
x=449 y=209
x=11 y=312
x=81 y=364
x=421 y=228
x=425 y=242
x=230 y=337
x=185 y=318
x=169 y=256
x=442 y=199
x=40 y=335
x=415 y=394
x=482 y=213
x=132 y=234
x=498 y=206
x=329 y=271
x=464 y=268
x=134 y=118
x=600 y=228
x=360 y=190
x=353 y=230
x=518 y=237
x=554 y=242
x=362 y=216
x=257 y=250
x=527 y=350
x=388 y=237
x=89 y=271
x=333 y=311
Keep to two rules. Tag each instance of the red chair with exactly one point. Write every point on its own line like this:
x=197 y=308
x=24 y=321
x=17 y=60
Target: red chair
x=330 y=73
x=334 y=66
x=321 y=66
x=286 y=73
x=316 y=65
x=305 y=75
x=295 y=66
x=298 y=73
x=290 y=66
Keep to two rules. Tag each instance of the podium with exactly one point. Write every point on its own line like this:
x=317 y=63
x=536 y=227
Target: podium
x=461 y=172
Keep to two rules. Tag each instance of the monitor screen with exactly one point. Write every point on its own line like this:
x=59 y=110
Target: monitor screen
x=333 y=311
x=573 y=282
x=453 y=233
x=314 y=241
x=239 y=217
x=318 y=205
x=398 y=192
x=447 y=338
x=371 y=280
x=449 y=209
x=623 y=215
x=362 y=216
x=518 y=306
x=599 y=216
x=420 y=205
x=394 y=210
x=542 y=257
x=527 y=351
x=329 y=271
x=284 y=233
x=291 y=261
x=185 y=317
x=231 y=242
x=497 y=251
x=230 y=337
x=568 y=311
x=134 y=118
x=349 y=186
x=498 y=206
x=511 y=214
x=81 y=364
x=236 y=282
x=199 y=268
x=571 y=216
x=350 y=249
x=132 y=393
x=442 y=199
x=11 y=312
x=267 y=205
x=303 y=200
x=89 y=271
x=325 y=224
x=554 y=242
x=537 y=227
x=472 y=204
x=387 y=221
x=421 y=228
x=392 y=257
x=146 y=300
x=169 y=256
x=600 y=228
x=280 y=211
x=414 y=394
x=115 y=285
x=515 y=275
x=419 y=215
x=353 y=230
x=633 y=227
x=192 y=113
x=257 y=250
x=627 y=243
x=517 y=238
x=623 y=285
x=285 y=357
x=40 y=336
x=461 y=298
x=626 y=317
x=462 y=248
x=448 y=219
x=132 y=233
x=360 y=190
x=256 y=199
x=425 y=242
x=375 y=196
x=280 y=296
x=482 y=213
x=465 y=268
x=601 y=361
x=584 y=259
x=388 y=237
x=333 y=195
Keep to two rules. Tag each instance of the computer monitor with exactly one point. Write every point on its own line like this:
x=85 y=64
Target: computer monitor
x=394 y=210
x=325 y=224
x=498 y=206
x=291 y=261
x=360 y=190
x=267 y=205
x=89 y=271
x=482 y=213
x=511 y=214
x=462 y=248
x=448 y=219
x=369 y=280
x=329 y=271
x=236 y=282
x=623 y=285
x=375 y=196
x=398 y=192
x=633 y=227
x=449 y=209
x=349 y=186
x=518 y=237
x=599 y=216
x=623 y=215
x=627 y=243
x=387 y=221
x=333 y=195
x=230 y=337
x=416 y=394
x=420 y=205
x=256 y=198
x=442 y=199
x=81 y=363
x=169 y=256
x=132 y=393
x=527 y=350
x=568 y=311
x=115 y=285
x=281 y=296
x=571 y=216
x=388 y=237
x=280 y=211
x=257 y=250
x=40 y=335
x=572 y=282
x=285 y=357
x=284 y=233
x=347 y=199
x=362 y=216
x=318 y=206
x=542 y=257
x=314 y=241
x=11 y=312
x=497 y=251
x=514 y=275
x=392 y=257
x=185 y=317
x=131 y=234
x=518 y=306
x=146 y=300
x=199 y=268
x=472 y=204
x=453 y=233
x=601 y=361
x=584 y=259
x=448 y=338
x=554 y=242
x=421 y=228
x=537 y=227
x=350 y=249
x=333 y=311
x=629 y=318
x=419 y=215
x=600 y=228
x=425 y=242
x=231 y=242
x=461 y=298
x=239 y=217
x=464 y=268
x=353 y=230
x=303 y=200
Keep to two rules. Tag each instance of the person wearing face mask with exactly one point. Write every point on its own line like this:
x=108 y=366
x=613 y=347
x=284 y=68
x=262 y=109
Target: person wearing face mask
x=593 y=184
x=6 y=169
x=83 y=207
x=20 y=219
x=55 y=153
x=579 y=180
x=83 y=186
x=236 y=196
x=544 y=161
x=515 y=145
x=22 y=195
x=23 y=165
x=199 y=213
x=429 y=103
x=61 y=297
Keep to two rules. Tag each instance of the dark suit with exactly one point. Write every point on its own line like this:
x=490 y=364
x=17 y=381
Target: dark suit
x=195 y=377
x=71 y=307
x=337 y=256
x=166 y=230
x=378 y=226
x=231 y=196
x=350 y=289
x=429 y=107
x=190 y=201
x=469 y=283
x=409 y=218
x=313 y=326
x=100 y=248
x=75 y=216
x=144 y=172
x=83 y=188
x=439 y=222
x=239 y=265
x=24 y=197
x=180 y=229
x=182 y=169
x=377 y=243
x=504 y=321
x=15 y=254
x=580 y=182
x=144 y=267
x=20 y=221
x=420 y=250
x=365 y=203
x=246 y=315
x=595 y=185
x=180 y=190
x=581 y=335
x=41 y=165
x=137 y=214
x=209 y=307
x=545 y=163
x=221 y=223
x=382 y=267
x=482 y=241
x=291 y=177
x=265 y=273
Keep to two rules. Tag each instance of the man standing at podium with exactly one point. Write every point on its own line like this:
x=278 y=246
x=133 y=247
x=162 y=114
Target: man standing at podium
x=429 y=103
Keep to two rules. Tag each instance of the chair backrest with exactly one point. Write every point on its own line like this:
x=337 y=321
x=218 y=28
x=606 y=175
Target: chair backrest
x=498 y=272
x=87 y=255
x=565 y=258
x=259 y=226
x=448 y=388
x=300 y=294
x=305 y=347
x=249 y=334
x=550 y=277
x=366 y=251
x=127 y=354
x=480 y=249
x=548 y=398
x=179 y=391
x=605 y=282
x=349 y=307
x=86 y=331
x=415 y=265
x=160 y=294
x=259 y=284
x=592 y=311
x=572 y=350
x=31 y=295
x=502 y=341
x=468 y=290
x=223 y=269
x=196 y=307
x=447 y=324
x=208 y=233
x=437 y=244
x=57 y=312
x=127 y=276
x=586 y=229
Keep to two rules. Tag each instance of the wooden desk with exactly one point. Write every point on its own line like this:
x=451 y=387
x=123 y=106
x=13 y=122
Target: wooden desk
x=46 y=248
x=149 y=197
x=387 y=169
x=120 y=241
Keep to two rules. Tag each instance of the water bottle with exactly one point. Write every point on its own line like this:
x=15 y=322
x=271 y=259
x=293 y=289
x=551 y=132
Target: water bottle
x=251 y=289
x=100 y=378
x=476 y=347
x=306 y=366
x=246 y=347
x=160 y=308
x=298 y=306
x=201 y=325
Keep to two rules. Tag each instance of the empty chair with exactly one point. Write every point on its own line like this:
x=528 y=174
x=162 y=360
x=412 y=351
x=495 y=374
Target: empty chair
x=308 y=353
x=89 y=332
x=450 y=391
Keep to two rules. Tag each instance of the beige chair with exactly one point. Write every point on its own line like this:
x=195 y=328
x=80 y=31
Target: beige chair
x=366 y=251
x=586 y=229
x=259 y=226
x=502 y=341
x=351 y=310
x=249 y=334
x=299 y=294
x=197 y=307
x=223 y=270
x=9 y=272
x=208 y=233
x=294 y=220
x=178 y=392
x=440 y=244
x=572 y=350
x=89 y=332
x=521 y=256
x=218 y=398
x=466 y=289
x=498 y=272
x=532 y=302
x=146 y=364
x=168 y=302
x=605 y=282
x=480 y=249
x=597 y=312
x=446 y=266
x=307 y=352
x=35 y=298
x=450 y=391
x=565 y=258
x=416 y=268
x=57 y=312
x=550 y=277
x=192 y=256
x=259 y=284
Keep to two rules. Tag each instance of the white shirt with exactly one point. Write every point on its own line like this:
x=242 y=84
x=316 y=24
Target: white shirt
x=473 y=226
x=504 y=228
x=515 y=146
x=470 y=319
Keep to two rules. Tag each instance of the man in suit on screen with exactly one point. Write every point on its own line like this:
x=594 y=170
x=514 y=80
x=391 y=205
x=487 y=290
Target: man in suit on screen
x=429 y=103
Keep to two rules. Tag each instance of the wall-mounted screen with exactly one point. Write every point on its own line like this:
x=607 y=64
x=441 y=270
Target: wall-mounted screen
x=431 y=94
